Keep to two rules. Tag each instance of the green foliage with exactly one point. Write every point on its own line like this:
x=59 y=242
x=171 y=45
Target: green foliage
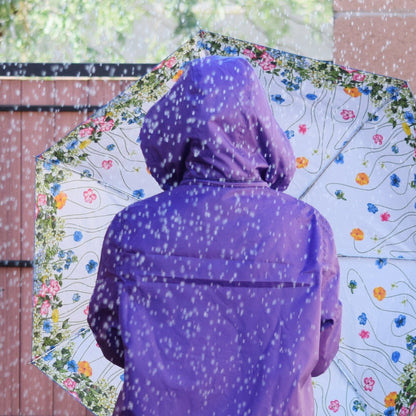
x=113 y=31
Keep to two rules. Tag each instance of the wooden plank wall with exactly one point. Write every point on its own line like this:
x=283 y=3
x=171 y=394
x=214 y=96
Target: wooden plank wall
x=24 y=390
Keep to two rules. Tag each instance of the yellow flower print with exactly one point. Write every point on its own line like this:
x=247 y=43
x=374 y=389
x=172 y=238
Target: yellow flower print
x=352 y=92
x=84 y=368
x=301 y=162
x=406 y=128
x=357 y=234
x=362 y=179
x=84 y=143
x=379 y=293
x=60 y=200
x=390 y=399
x=55 y=315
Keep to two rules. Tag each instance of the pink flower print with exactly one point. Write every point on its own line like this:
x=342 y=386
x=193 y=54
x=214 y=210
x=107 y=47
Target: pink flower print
x=334 y=406
x=260 y=47
x=44 y=309
x=267 y=62
x=358 y=77
x=378 y=139
x=54 y=287
x=89 y=196
x=86 y=310
x=404 y=411
x=369 y=383
x=43 y=290
x=170 y=62
x=70 y=384
x=103 y=124
x=364 y=334
x=42 y=200
x=385 y=216
x=35 y=300
x=347 y=114
x=106 y=126
x=249 y=53
x=86 y=132
x=107 y=164
x=349 y=70
x=302 y=128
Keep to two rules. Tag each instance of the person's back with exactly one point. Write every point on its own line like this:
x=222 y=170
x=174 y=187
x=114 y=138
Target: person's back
x=226 y=290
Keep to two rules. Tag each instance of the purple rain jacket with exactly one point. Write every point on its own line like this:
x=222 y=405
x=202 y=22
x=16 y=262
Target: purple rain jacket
x=218 y=296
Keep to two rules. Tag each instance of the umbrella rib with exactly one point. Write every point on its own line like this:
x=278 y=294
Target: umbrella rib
x=73 y=336
x=344 y=372
x=105 y=184
x=346 y=143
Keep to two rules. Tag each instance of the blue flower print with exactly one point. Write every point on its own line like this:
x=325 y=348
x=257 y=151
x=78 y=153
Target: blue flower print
x=352 y=285
x=400 y=321
x=47 y=326
x=86 y=174
x=72 y=366
x=55 y=189
x=395 y=148
x=311 y=97
x=362 y=319
x=410 y=118
x=340 y=195
x=289 y=133
x=122 y=377
x=76 y=297
x=357 y=405
x=47 y=165
x=78 y=236
x=411 y=344
x=138 y=193
x=372 y=208
x=393 y=91
x=91 y=266
x=49 y=356
x=380 y=263
x=73 y=144
x=111 y=147
x=277 y=98
x=339 y=159
x=394 y=180
x=395 y=356
x=372 y=117
x=389 y=411
x=365 y=90
x=229 y=50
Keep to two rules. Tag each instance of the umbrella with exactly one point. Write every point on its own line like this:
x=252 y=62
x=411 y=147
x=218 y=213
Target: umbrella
x=353 y=137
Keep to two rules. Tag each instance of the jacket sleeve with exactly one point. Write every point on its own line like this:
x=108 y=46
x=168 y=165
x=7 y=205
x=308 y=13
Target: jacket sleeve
x=103 y=315
x=331 y=309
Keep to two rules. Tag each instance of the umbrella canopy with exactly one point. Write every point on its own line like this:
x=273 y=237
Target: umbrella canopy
x=353 y=137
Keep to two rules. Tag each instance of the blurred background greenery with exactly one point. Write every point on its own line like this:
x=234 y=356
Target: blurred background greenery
x=139 y=31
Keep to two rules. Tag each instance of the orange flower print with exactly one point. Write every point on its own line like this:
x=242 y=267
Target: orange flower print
x=301 y=162
x=84 y=368
x=379 y=293
x=357 y=234
x=362 y=179
x=60 y=200
x=352 y=92
x=390 y=399
x=177 y=75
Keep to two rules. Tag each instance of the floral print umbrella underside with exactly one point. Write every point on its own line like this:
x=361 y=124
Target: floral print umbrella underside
x=353 y=137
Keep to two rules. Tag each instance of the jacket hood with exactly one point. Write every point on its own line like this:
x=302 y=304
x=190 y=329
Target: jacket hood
x=216 y=124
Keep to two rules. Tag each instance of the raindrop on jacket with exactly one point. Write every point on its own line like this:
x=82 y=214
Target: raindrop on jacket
x=218 y=296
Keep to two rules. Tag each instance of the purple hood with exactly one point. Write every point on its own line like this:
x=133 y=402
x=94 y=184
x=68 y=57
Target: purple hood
x=218 y=296
x=216 y=124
